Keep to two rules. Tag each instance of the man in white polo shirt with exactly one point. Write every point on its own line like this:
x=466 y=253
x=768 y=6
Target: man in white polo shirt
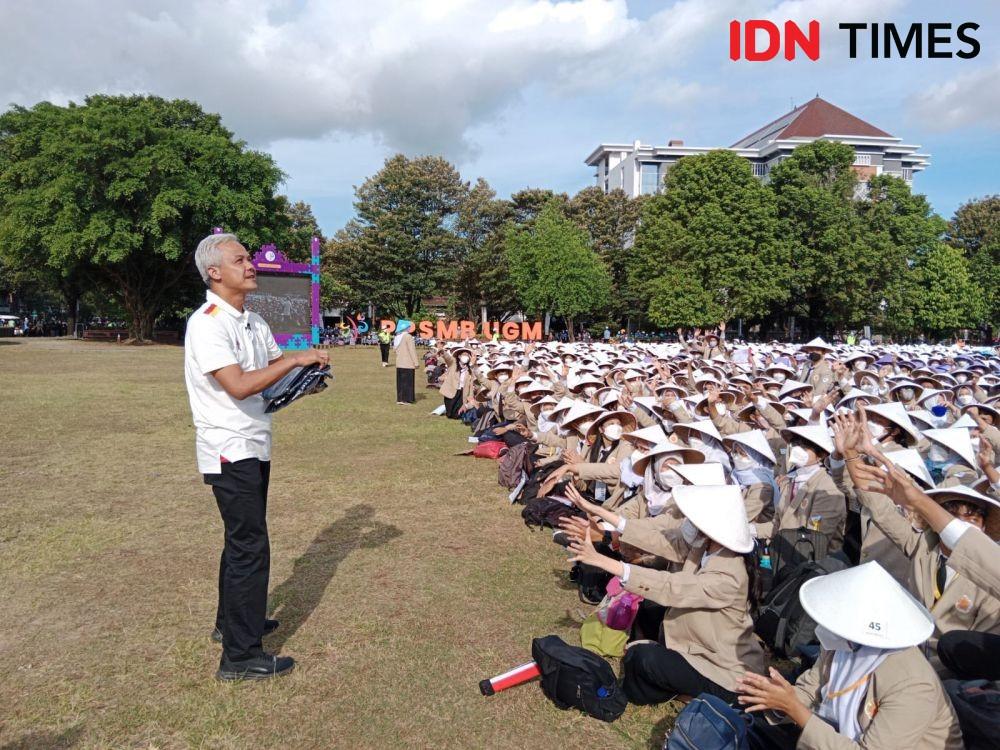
x=230 y=356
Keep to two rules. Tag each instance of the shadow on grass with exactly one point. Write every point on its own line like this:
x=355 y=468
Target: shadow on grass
x=663 y=727
x=562 y=581
x=54 y=740
x=298 y=595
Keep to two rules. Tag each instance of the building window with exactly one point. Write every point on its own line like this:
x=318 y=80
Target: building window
x=759 y=169
x=907 y=174
x=862 y=160
x=649 y=173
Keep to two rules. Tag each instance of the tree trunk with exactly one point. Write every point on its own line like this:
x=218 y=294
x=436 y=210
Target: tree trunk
x=569 y=329
x=72 y=299
x=141 y=318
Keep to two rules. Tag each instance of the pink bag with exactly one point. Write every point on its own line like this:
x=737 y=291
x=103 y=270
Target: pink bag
x=490 y=449
x=619 y=607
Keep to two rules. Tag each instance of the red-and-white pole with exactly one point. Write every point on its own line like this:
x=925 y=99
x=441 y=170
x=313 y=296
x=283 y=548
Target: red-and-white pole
x=509 y=679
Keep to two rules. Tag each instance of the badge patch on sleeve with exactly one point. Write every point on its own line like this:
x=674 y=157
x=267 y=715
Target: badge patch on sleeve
x=964 y=604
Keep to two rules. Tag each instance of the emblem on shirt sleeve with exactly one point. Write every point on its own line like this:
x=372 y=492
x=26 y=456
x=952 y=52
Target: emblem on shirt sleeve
x=212 y=309
x=964 y=604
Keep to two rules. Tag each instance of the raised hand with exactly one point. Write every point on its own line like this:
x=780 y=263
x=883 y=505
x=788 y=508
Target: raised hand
x=625 y=399
x=574 y=496
x=582 y=548
x=985 y=454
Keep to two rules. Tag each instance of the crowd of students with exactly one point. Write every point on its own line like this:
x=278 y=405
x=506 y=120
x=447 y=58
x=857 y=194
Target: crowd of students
x=704 y=474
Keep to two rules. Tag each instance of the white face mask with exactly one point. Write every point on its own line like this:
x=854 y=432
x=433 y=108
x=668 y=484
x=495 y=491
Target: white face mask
x=464 y=359
x=965 y=399
x=613 y=431
x=656 y=501
x=628 y=476
x=938 y=453
x=720 y=409
x=780 y=377
x=544 y=423
x=503 y=378
x=932 y=401
x=961 y=378
x=742 y=463
x=690 y=532
x=906 y=393
x=877 y=431
x=797 y=457
x=859 y=365
x=870 y=388
x=696 y=442
x=670 y=478
x=590 y=390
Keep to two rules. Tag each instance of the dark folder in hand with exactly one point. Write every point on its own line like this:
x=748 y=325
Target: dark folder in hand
x=298 y=383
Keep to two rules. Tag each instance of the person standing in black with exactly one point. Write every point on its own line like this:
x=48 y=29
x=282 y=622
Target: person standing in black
x=230 y=356
x=406 y=363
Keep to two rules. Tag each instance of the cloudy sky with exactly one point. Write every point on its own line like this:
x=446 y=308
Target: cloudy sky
x=516 y=92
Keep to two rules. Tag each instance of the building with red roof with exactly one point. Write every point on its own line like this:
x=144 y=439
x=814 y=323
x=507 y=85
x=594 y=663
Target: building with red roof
x=639 y=169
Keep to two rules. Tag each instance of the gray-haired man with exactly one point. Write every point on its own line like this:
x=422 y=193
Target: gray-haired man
x=230 y=356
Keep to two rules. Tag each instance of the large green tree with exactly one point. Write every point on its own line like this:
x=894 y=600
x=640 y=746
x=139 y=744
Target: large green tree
x=832 y=267
x=975 y=229
x=941 y=295
x=302 y=226
x=402 y=246
x=898 y=229
x=611 y=220
x=122 y=188
x=554 y=269
x=718 y=223
x=483 y=277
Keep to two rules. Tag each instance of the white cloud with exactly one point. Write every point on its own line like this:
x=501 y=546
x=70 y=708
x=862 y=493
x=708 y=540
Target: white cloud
x=415 y=75
x=968 y=99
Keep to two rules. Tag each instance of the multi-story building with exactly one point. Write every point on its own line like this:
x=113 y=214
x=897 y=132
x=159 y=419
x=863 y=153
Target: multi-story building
x=639 y=169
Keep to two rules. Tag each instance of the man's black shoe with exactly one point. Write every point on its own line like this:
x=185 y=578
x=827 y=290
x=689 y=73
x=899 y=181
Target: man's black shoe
x=263 y=667
x=269 y=627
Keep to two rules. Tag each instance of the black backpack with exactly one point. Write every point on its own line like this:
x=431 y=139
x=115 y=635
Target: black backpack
x=782 y=622
x=544 y=511
x=574 y=677
x=977 y=704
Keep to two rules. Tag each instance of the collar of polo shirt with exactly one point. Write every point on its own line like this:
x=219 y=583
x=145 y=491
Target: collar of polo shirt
x=216 y=300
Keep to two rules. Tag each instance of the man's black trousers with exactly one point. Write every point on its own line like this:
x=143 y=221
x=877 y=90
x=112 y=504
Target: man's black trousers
x=241 y=493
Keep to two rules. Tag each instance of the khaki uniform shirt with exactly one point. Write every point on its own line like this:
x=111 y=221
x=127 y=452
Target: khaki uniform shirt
x=904 y=706
x=707 y=619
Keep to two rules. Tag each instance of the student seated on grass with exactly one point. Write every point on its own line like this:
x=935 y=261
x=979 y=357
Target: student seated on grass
x=708 y=640
x=870 y=688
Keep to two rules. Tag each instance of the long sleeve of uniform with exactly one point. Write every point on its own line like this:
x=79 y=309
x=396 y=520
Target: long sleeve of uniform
x=888 y=519
x=977 y=557
x=992 y=436
x=773 y=417
x=758 y=499
x=844 y=483
x=726 y=424
x=709 y=589
x=642 y=417
x=551 y=439
x=658 y=535
x=680 y=413
x=602 y=471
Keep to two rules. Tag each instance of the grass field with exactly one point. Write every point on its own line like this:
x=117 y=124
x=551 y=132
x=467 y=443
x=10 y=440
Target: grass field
x=400 y=574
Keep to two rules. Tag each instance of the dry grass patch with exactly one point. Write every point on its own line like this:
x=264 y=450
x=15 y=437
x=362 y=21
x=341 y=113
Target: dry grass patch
x=400 y=574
